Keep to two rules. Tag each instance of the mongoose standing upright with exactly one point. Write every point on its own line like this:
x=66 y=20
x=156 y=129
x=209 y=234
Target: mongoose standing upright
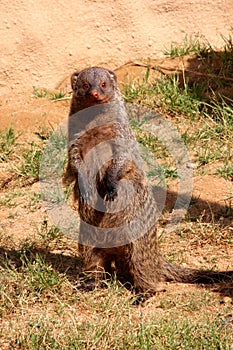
x=136 y=256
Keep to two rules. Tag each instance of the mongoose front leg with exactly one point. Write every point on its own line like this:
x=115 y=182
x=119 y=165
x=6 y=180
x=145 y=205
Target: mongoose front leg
x=77 y=168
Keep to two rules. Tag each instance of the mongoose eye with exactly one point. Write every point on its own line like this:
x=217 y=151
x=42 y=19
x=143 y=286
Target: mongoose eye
x=103 y=85
x=85 y=86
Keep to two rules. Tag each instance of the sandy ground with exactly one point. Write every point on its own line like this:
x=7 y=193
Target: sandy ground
x=42 y=42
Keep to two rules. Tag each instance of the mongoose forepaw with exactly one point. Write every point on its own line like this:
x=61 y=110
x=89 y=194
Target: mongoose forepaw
x=111 y=195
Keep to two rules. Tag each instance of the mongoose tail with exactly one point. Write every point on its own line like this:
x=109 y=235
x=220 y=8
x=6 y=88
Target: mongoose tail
x=170 y=272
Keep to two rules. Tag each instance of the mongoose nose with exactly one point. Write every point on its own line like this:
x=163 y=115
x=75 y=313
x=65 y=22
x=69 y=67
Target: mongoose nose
x=94 y=93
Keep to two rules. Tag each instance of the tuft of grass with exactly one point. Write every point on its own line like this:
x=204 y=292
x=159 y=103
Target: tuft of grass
x=49 y=233
x=31 y=162
x=206 y=155
x=222 y=115
x=8 y=139
x=167 y=94
x=41 y=277
x=169 y=172
x=174 y=97
x=44 y=93
x=9 y=201
x=226 y=171
x=192 y=45
x=227 y=59
x=32 y=155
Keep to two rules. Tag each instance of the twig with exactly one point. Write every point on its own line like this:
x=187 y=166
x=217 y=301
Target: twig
x=162 y=68
x=62 y=99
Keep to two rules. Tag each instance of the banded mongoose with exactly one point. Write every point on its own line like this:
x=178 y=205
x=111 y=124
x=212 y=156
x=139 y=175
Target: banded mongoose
x=134 y=256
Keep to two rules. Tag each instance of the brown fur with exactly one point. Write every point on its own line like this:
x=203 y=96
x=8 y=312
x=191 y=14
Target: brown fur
x=138 y=261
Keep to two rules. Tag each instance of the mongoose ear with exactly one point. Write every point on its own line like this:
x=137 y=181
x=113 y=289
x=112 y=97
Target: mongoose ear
x=113 y=75
x=74 y=78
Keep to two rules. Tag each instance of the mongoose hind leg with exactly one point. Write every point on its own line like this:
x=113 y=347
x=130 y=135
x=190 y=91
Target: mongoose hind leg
x=145 y=263
x=96 y=269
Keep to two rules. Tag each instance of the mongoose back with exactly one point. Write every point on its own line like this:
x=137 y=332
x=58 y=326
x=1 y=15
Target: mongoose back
x=138 y=261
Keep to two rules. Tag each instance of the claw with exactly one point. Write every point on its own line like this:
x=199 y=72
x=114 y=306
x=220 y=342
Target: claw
x=85 y=196
x=111 y=195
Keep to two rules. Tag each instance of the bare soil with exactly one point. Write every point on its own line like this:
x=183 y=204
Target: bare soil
x=42 y=43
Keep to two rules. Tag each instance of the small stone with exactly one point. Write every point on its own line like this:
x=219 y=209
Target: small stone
x=150 y=43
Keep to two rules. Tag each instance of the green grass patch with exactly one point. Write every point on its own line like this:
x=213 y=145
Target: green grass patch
x=44 y=93
x=167 y=95
x=8 y=139
x=166 y=334
x=205 y=124
x=192 y=45
x=30 y=166
x=226 y=171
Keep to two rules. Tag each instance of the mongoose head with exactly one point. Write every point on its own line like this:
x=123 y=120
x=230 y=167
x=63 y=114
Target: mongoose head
x=94 y=85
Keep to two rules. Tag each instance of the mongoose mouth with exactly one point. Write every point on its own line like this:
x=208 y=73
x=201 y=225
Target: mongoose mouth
x=97 y=99
x=90 y=101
